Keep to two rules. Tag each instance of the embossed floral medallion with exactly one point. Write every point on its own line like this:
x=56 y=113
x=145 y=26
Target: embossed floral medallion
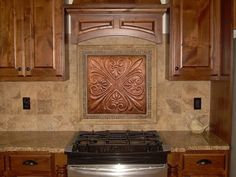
x=116 y=84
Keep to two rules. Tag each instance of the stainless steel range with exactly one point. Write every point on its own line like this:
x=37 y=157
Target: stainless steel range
x=117 y=153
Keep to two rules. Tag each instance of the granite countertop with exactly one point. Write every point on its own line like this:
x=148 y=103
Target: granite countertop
x=181 y=141
x=50 y=141
x=178 y=141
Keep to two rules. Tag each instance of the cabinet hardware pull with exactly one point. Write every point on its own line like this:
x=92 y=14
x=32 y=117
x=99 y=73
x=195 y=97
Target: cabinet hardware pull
x=19 y=68
x=28 y=69
x=176 y=68
x=30 y=163
x=204 y=162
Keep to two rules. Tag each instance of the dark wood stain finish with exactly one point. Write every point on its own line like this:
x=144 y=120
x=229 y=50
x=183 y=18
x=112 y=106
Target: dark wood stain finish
x=226 y=39
x=19 y=167
x=31 y=40
x=198 y=164
x=93 y=19
x=48 y=39
x=195 y=40
x=2 y=165
x=234 y=11
x=221 y=109
x=204 y=164
x=221 y=91
x=60 y=165
x=174 y=164
x=82 y=2
x=9 y=66
x=44 y=164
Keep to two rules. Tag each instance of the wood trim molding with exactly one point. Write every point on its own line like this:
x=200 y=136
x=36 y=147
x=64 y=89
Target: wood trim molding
x=141 y=22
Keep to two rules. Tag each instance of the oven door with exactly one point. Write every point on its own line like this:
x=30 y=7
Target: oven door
x=119 y=170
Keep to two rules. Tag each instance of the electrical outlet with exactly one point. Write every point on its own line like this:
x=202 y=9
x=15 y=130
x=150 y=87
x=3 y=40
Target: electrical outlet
x=197 y=103
x=26 y=102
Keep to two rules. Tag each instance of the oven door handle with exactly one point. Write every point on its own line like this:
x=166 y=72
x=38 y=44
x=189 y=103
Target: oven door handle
x=116 y=170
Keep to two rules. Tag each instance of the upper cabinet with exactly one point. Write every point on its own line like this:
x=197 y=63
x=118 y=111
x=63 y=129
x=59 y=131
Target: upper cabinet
x=31 y=40
x=9 y=66
x=194 y=40
x=234 y=2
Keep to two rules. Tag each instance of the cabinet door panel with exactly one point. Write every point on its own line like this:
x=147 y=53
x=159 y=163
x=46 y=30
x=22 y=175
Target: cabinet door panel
x=31 y=40
x=27 y=14
x=226 y=38
x=44 y=43
x=8 y=62
x=195 y=40
x=2 y=166
x=234 y=2
x=47 y=39
x=195 y=28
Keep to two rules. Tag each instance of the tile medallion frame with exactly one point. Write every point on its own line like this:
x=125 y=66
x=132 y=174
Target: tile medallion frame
x=148 y=53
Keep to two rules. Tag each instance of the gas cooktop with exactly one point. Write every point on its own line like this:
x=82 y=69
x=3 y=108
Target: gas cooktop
x=117 y=142
x=92 y=147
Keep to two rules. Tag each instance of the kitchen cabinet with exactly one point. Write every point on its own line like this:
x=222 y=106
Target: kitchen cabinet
x=2 y=166
x=205 y=163
x=31 y=40
x=198 y=164
x=60 y=165
x=226 y=39
x=9 y=66
x=234 y=2
x=33 y=164
x=26 y=164
x=194 y=40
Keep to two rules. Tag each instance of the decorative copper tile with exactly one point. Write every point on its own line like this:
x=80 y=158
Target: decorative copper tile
x=116 y=84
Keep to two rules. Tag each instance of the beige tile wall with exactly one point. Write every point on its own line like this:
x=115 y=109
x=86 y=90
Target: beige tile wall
x=54 y=105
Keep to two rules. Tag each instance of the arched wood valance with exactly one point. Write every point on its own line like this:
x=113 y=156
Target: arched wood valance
x=99 y=20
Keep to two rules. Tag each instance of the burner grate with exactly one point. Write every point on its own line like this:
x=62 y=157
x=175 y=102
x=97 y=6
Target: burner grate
x=117 y=142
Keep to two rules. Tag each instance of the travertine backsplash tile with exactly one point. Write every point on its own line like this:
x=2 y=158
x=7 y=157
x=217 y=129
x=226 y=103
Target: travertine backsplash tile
x=54 y=105
x=45 y=106
x=174 y=105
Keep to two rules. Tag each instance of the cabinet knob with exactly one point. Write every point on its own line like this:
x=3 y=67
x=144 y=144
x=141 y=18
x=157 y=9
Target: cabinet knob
x=19 y=68
x=176 y=68
x=28 y=68
x=204 y=162
x=30 y=163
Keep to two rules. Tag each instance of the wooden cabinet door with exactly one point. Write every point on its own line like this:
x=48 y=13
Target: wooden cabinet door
x=203 y=176
x=47 y=39
x=195 y=40
x=234 y=2
x=226 y=38
x=31 y=40
x=2 y=165
x=10 y=62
